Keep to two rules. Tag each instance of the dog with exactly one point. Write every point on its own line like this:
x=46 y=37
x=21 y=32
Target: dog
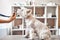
x=33 y=26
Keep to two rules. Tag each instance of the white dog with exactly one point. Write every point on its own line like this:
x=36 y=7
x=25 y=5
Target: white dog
x=34 y=26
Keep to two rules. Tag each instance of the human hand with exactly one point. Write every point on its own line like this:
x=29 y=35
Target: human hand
x=13 y=17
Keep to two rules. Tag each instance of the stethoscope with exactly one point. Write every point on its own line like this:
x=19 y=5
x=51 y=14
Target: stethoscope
x=4 y=15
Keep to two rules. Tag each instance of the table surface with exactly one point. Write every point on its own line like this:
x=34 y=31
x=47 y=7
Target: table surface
x=18 y=37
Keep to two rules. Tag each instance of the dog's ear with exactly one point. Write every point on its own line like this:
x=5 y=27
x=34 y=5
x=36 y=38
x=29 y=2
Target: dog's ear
x=29 y=11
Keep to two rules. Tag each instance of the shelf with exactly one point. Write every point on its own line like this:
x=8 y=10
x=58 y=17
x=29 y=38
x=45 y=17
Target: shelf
x=52 y=29
x=52 y=17
x=51 y=11
x=39 y=17
x=28 y=5
x=18 y=17
x=44 y=13
x=23 y=5
x=17 y=29
x=51 y=5
x=39 y=5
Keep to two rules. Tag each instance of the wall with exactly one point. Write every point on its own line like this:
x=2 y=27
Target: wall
x=5 y=6
x=5 y=9
x=46 y=1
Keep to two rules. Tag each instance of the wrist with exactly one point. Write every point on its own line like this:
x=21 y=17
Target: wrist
x=10 y=20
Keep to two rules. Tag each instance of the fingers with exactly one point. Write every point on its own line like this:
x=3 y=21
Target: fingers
x=14 y=14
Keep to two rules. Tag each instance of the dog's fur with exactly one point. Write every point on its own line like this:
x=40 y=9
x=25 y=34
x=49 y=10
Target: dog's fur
x=35 y=26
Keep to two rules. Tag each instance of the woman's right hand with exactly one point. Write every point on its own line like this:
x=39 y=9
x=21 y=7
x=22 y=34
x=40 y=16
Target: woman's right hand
x=13 y=17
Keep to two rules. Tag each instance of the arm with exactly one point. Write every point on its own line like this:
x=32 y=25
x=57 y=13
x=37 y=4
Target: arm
x=4 y=21
x=9 y=20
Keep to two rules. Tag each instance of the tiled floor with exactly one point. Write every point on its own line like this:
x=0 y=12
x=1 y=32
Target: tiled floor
x=17 y=37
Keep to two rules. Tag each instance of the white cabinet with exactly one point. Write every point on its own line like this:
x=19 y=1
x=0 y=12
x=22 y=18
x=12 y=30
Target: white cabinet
x=46 y=14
